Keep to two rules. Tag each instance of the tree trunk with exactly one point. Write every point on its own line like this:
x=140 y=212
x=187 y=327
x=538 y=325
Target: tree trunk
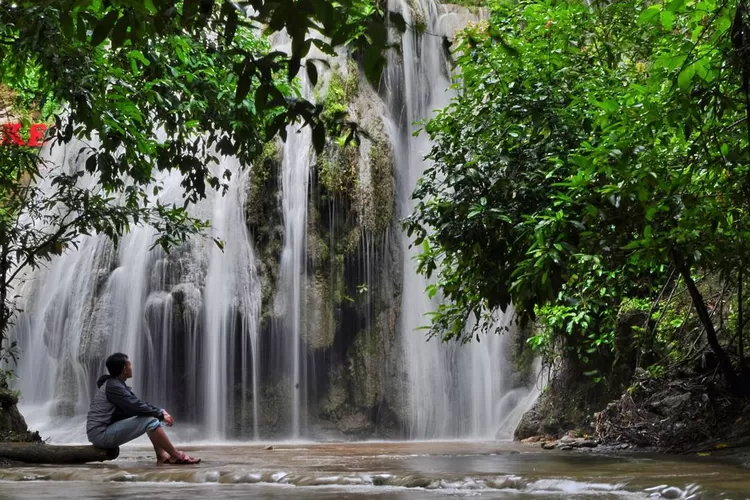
x=4 y=306
x=733 y=381
x=37 y=453
x=740 y=321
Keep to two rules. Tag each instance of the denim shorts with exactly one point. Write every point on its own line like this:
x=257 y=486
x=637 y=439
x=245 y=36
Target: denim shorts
x=122 y=431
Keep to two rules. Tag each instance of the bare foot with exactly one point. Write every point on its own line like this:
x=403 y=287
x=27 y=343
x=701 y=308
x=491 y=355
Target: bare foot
x=162 y=458
x=182 y=458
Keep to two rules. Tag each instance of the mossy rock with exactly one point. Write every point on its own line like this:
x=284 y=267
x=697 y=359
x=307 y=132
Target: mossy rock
x=367 y=363
x=321 y=322
x=263 y=214
x=12 y=424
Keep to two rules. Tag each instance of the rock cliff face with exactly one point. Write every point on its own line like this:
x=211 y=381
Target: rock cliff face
x=352 y=290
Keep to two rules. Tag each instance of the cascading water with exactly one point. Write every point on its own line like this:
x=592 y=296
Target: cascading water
x=295 y=177
x=453 y=390
x=333 y=348
x=188 y=320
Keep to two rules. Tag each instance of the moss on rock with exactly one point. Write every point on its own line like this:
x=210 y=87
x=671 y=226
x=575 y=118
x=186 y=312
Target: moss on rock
x=12 y=424
x=321 y=322
x=367 y=363
x=337 y=169
x=351 y=202
x=263 y=215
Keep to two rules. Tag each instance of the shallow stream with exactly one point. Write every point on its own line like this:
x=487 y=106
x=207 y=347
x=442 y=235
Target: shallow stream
x=385 y=470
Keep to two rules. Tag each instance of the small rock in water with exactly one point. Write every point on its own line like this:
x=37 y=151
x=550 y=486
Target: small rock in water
x=671 y=492
x=532 y=439
x=568 y=443
x=512 y=482
x=269 y=447
x=211 y=477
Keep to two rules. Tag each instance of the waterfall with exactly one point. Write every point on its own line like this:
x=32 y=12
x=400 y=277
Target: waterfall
x=295 y=177
x=316 y=334
x=454 y=391
x=188 y=320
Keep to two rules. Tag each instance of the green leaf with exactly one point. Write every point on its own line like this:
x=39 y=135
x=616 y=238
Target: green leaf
x=685 y=78
x=319 y=138
x=649 y=14
x=675 y=5
x=312 y=73
x=120 y=32
x=103 y=27
x=138 y=55
x=243 y=88
x=261 y=98
x=667 y=19
x=66 y=23
x=189 y=11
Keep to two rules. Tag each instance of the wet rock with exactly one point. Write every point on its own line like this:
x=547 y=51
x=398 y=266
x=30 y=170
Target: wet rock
x=187 y=302
x=508 y=482
x=577 y=442
x=664 y=491
x=274 y=408
x=532 y=439
x=569 y=443
x=571 y=400
x=319 y=314
x=671 y=492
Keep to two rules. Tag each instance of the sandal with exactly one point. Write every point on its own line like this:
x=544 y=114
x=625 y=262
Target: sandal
x=184 y=459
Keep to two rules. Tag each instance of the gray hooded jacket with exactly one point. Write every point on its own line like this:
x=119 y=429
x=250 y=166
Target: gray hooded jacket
x=115 y=401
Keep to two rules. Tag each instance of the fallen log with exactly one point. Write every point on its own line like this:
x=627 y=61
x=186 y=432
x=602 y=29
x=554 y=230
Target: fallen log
x=39 y=453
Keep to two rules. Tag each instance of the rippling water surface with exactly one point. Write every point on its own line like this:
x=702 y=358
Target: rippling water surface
x=385 y=471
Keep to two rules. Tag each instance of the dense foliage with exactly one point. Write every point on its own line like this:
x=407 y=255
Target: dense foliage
x=592 y=153
x=142 y=88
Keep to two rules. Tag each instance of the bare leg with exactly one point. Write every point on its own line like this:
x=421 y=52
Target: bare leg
x=166 y=451
x=162 y=445
x=161 y=455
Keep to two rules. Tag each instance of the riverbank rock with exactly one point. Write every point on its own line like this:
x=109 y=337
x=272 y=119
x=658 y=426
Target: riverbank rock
x=12 y=424
x=569 y=442
x=568 y=403
x=688 y=415
x=571 y=399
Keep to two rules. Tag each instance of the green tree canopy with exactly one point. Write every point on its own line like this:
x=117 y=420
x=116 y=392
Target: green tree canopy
x=590 y=151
